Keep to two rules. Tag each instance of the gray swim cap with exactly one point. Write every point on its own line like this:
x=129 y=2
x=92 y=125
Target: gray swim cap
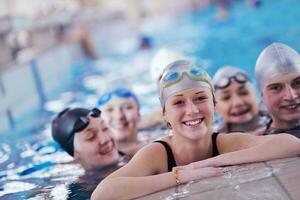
x=223 y=76
x=181 y=75
x=274 y=60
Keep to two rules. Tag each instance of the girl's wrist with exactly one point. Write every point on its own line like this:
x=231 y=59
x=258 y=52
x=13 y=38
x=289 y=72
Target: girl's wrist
x=183 y=175
x=175 y=173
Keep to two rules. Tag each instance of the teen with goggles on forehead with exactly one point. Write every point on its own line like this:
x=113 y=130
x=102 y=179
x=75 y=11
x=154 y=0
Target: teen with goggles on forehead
x=236 y=101
x=277 y=74
x=121 y=112
x=161 y=59
x=188 y=103
x=84 y=136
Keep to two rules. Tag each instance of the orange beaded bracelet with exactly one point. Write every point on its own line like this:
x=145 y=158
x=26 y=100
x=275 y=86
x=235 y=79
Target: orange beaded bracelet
x=176 y=175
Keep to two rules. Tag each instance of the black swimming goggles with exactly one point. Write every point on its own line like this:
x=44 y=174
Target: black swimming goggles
x=224 y=82
x=82 y=122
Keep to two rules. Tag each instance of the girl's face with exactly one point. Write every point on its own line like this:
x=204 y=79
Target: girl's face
x=94 y=146
x=281 y=95
x=190 y=112
x=121 y=115
x=237 y=102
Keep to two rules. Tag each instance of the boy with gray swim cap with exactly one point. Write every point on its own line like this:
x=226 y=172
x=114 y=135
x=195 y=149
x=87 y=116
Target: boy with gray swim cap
x=277 y=73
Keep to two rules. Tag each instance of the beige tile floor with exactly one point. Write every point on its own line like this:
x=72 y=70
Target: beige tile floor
x=272 y=180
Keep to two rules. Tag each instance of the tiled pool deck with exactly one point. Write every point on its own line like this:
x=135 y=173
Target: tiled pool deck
x=272 y=180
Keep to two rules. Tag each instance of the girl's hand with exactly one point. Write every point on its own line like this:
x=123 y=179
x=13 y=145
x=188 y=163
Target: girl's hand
x=200 y=164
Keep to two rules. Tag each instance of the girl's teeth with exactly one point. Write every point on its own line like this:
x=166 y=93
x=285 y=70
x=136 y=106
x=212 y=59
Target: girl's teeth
x=192 y=123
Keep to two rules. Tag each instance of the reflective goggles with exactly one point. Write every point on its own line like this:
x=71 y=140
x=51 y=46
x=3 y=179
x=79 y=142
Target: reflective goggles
x=82 y=122
x=226 y=81
x=119 y=93
x=174 y=76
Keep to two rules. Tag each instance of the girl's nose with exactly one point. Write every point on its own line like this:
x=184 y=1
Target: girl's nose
x=119 y=114
x=236 y=100
x=192 y=108
x=104 y=138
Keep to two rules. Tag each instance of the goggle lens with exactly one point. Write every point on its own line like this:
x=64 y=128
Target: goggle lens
x=171 y=76
x=196 y=73
x=241 y=78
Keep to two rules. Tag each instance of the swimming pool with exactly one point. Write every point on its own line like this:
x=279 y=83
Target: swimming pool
x=34 y=167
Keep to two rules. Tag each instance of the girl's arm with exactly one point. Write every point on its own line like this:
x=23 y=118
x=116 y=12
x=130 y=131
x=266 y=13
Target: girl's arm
x=259 y=148
x=137 y=177
x=124 y=187
x=239 y=148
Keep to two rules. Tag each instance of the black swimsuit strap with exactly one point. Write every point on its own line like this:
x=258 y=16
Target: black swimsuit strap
x=171 y=159
x=268 y=126
x=121 y=153
x=215 y=150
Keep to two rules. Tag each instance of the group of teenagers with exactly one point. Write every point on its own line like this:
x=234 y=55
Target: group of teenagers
x=195 y=148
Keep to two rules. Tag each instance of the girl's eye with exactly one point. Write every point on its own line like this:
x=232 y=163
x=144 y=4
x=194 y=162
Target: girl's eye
x=104 y=129
x=178 y=102
x=109 y=110
x=226 y=98
x=200 y=99
x=129 y=107
x=90 y=137
x=243 y=92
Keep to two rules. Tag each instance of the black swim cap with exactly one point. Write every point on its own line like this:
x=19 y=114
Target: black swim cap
x=66 y=124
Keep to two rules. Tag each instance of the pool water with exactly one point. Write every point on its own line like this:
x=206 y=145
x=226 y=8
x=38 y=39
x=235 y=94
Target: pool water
x=34 y=167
